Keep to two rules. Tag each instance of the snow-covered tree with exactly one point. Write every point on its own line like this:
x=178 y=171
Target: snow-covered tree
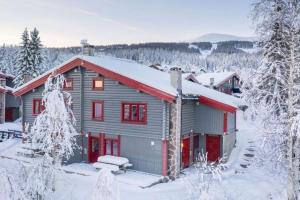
x=35 y=46
x=106 y=187
x=53 y=132
x=24 y=60
x=276 y=86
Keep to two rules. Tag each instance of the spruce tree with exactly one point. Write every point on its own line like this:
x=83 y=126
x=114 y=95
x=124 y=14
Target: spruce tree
x=36 y=52
x=24 y=61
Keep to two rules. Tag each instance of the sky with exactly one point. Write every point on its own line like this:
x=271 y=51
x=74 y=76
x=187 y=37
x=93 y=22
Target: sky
x=66 y=22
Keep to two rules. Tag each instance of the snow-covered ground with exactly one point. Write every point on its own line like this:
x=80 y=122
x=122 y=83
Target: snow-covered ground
x=242 y=180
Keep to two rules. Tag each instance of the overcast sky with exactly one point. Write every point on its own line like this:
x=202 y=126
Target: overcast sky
x=66 y=22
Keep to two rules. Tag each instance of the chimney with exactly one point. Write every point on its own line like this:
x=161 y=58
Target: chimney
x=87 y=49
x=27 y=78
x=211 y=82
x=176 y=78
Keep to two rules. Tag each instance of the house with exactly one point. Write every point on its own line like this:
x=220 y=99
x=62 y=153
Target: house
x=226 y=82
x=155 y=119
x=9 y=105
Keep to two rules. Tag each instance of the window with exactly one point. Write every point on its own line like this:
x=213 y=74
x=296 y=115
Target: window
x=37 y=107
x=98 y=110
x=112 y=146
x=134 y=112
x=68 y=85
x=98 y=83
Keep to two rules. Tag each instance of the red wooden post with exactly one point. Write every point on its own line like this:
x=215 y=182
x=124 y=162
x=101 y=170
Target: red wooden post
x=89 y=146
x=102 y=144
x=164 y=157
x=119 y=145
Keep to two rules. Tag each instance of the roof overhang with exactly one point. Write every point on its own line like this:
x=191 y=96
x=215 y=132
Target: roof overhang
x=101 y=70
x=216 y=104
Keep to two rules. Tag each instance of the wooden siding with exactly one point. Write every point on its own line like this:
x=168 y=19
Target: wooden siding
x=188 y=117
x=208 y=120
x=112 y=96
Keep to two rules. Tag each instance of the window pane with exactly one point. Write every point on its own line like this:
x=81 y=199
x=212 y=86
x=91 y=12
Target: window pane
x=98 y=83
x=69 y=84
x=98 y=110
x=142 y=111
x=134 y=112
x=115 y=148
x=126 y=112
x=108 y=147
x=95 y=145
x=37 y=106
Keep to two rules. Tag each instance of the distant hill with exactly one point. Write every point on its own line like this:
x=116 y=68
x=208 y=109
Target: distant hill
x=217 y=37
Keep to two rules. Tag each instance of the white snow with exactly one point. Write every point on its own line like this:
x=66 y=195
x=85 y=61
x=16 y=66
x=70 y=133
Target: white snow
x=148 y=76
x=237 y=183
x=113 y=160
x=11 y=126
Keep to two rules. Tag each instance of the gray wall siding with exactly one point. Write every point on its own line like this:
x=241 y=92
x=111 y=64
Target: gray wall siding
x=231 y=122
x=209 y=120
x=112 y=95
x=188 y=117
x=11 y=101
x=228 y=144
x=142 y=154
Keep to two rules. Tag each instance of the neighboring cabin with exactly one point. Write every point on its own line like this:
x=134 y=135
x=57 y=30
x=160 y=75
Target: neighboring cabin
x=226 y=82
x=127 y=109
x=9 y=105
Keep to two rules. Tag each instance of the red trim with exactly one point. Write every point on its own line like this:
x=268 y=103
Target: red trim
x=164 y=157
x=94 y=85
x=131 y=104
x=107 y=73
x=119 y=145
x=102 y=144
x=40 y=106
x=111 y=142
x=94 y=102
x=89 y=146
x=216 y=104
x=225 y=129
x=65 y=85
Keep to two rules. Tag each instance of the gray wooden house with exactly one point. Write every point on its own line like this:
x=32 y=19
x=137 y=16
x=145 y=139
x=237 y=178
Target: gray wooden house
x=155 y=119
x=9 y=104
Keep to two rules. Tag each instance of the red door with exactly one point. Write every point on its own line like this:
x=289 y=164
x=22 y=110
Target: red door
x=196 y=147
x=185 y=152
x=213 y=145
x=94 y=148
x=8 y=114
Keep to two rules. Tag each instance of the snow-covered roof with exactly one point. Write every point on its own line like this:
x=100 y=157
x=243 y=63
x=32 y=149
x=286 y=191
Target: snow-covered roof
x=7 y=75
x=145 y=75
x=219 y=77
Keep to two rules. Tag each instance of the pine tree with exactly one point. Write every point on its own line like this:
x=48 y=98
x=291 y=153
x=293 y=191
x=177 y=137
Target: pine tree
x=35 y=46
x=23 y=63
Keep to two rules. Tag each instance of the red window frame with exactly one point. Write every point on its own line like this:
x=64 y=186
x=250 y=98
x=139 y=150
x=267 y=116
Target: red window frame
x=94 y=83
x=94 y=111
x=111 y=142
x=40 y=107
x=131 y=120
x=65 y=85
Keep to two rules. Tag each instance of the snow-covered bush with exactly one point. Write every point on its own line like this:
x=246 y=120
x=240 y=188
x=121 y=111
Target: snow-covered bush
x=106 y=187
x=199 y=181
x=52 y=133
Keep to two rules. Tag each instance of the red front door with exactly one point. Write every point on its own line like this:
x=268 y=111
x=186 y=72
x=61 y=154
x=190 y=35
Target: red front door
x=213 y=145
x=196 y=147
x=8 y=114
x=185 y=152
x=94 y=148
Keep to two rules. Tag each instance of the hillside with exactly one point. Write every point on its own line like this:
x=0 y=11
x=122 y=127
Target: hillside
x=217 y=37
